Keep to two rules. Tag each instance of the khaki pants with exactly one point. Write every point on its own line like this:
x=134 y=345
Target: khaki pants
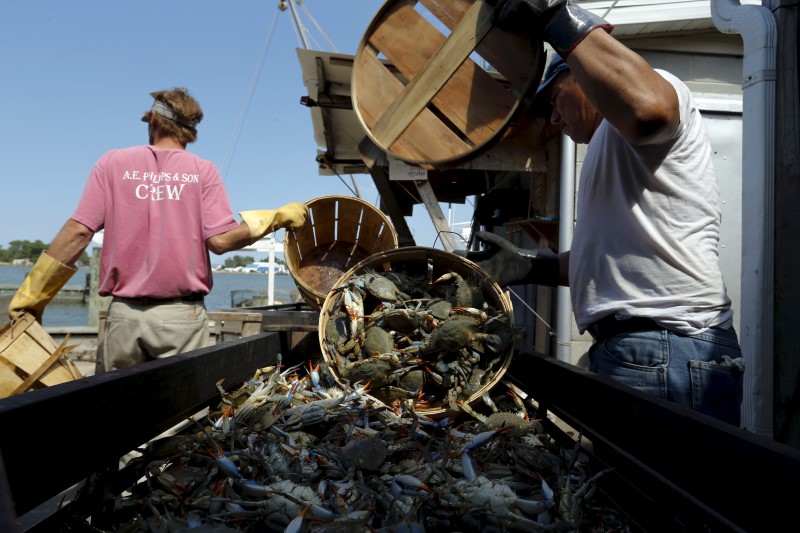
x=139 y=332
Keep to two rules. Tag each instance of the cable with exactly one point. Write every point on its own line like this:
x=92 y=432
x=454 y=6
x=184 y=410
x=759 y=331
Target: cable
x=237 y=129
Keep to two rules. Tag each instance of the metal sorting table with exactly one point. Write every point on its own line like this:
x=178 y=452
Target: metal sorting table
x=673 y=469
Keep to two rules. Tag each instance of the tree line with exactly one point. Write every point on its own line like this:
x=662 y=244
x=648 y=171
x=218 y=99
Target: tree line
x=244 y=260
x=30 y=250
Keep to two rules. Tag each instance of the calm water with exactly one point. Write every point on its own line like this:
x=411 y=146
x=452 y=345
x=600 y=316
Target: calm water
x=219 y=298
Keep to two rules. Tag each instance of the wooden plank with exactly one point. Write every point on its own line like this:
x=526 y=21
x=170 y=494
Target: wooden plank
x=28 y=355
x=37 y=333
x=436 y=72
x=287 y=319
x=26 y=345
x=371 y=227
x=472 y=100
x=251 y=328
x=300 y=245
x=324 y=212
x=348 y=221
x=371 y=152
x=9 y=380
x=445 y=233
x=241 y=316
x=99 y=418
x=13 y=330
x=515 y=55
x=426 y=139
x=59 y=352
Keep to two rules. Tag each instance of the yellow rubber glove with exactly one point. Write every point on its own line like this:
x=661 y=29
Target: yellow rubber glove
x=43 y=282
x=263 y=221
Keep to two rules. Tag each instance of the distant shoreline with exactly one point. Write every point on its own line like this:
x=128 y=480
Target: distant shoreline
x=4 y=263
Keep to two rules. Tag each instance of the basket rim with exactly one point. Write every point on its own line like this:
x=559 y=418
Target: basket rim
x=521 y=106
x=290 y=240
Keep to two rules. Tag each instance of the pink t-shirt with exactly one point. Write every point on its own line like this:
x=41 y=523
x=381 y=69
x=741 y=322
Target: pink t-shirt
x=157 y=207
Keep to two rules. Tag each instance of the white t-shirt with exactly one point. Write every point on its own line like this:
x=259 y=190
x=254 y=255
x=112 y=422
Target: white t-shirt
x=647 y=229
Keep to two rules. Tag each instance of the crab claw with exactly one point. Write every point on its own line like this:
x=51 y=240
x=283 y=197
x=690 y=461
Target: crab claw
x=313 y=372
x=482 y=438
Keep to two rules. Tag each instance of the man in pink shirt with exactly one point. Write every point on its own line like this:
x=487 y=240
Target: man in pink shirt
x=162 y=209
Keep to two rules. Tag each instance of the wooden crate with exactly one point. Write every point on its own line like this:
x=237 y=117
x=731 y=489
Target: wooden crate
x=31 y=359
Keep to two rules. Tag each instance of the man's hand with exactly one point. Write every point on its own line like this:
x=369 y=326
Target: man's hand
x=558 y=22
x=510 y=265
x=40 y=286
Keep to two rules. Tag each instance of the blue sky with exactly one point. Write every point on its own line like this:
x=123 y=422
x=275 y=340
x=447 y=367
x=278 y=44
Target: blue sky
x=77 y=77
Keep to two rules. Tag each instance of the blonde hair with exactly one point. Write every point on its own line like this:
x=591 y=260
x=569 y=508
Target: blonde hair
x=187 y=114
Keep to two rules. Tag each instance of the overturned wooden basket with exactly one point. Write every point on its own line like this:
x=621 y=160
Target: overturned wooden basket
x=435 y=84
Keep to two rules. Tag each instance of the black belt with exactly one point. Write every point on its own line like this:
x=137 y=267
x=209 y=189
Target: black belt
x=609 y=326
x=148 y=300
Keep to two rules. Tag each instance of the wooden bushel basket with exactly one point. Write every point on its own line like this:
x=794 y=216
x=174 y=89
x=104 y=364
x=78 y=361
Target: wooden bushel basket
x=340 y=232
x=415 y=260
x=30 y=358
x=437 y=102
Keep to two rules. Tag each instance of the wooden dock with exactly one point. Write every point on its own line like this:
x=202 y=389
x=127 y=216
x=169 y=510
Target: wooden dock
x=78 y=294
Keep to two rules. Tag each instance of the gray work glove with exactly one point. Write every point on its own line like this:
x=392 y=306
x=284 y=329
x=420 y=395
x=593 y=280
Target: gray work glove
x=510 y=265
x=558 y=22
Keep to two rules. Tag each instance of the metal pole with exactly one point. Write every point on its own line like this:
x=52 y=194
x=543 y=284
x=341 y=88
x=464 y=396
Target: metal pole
x=299 y=24
x=566 y=216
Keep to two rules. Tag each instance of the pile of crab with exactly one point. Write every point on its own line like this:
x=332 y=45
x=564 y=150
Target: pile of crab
x=438 y=339
x=291 y=453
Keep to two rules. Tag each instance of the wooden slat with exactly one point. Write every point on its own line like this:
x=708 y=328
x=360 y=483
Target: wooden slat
x=436 y=72
x=514 y=55
x=472 y=100
x=26 y=345
x=9 y=380
x=324 y=212
x=444 y=232
x=59 y=352
x=349 y=219
x=426 y=139
x=298 y=244
x=371 y=226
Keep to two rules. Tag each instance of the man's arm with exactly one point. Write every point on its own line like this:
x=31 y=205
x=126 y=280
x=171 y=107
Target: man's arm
x=70 y=243
x=563 y=269
x=231 y=240
x=625 y=89
x=52 y=270
x=258 y=223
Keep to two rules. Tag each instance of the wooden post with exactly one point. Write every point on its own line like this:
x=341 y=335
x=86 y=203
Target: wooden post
x=97 y=303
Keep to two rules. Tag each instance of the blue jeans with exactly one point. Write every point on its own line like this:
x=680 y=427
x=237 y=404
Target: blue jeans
x=703 y=372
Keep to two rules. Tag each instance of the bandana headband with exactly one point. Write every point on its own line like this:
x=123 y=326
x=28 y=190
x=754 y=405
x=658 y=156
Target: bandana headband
x=162 y=109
